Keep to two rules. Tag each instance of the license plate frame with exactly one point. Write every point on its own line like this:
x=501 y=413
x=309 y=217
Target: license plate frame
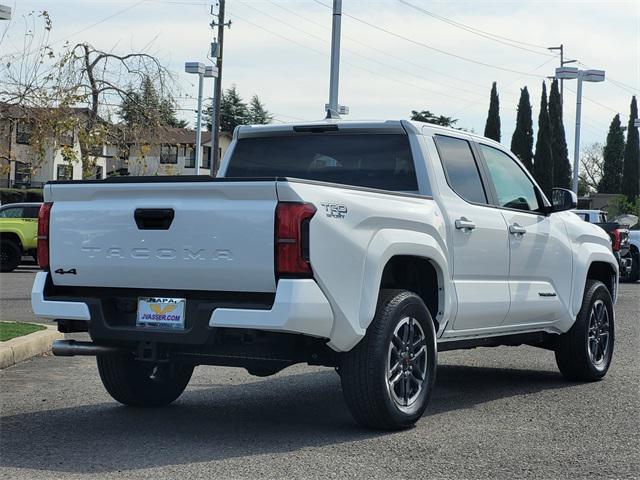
x=166 y=313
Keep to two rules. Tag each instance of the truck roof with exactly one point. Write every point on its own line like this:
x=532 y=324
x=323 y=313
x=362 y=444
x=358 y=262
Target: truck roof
x=399 y=125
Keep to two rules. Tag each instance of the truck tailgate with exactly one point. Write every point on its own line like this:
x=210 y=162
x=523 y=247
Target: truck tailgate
x=221 y=237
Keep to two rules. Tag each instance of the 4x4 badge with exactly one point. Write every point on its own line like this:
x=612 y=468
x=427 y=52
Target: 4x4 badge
x=62 y=272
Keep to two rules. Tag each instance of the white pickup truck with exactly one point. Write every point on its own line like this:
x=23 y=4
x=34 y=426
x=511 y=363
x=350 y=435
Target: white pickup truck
x=364 y=246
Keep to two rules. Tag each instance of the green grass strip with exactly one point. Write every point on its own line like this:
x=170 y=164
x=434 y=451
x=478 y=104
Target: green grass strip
x=9 y=330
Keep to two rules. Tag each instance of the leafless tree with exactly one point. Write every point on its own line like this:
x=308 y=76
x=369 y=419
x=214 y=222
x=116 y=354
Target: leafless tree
x=97 y=77
x=591 y=166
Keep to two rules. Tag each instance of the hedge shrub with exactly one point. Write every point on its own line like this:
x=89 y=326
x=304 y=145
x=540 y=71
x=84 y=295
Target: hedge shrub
x=17 y=195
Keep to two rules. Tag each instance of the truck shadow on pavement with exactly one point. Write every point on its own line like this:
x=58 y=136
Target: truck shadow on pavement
x=281 y=414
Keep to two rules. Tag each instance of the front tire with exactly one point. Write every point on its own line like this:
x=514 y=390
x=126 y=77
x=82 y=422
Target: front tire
x=142 y=384
x=586 y=350
x=387 y=379
x=10 y=255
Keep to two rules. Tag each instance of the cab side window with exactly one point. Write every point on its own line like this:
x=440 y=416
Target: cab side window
x=513 y=187
x=461 y=168
x=14 y=212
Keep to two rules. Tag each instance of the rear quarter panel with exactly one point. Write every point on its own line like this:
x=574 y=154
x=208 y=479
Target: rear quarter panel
x=349 y=252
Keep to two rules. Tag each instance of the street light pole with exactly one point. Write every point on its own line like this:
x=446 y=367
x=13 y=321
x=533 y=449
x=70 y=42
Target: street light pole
x=576 y=143
x=199 y=69
x=199 y=124
x=567 y=73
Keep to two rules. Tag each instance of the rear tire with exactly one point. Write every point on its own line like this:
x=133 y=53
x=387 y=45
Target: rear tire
x=10 y=255
x=387 y=379
x=585 y=352
x=142 y=384
x=634 y=276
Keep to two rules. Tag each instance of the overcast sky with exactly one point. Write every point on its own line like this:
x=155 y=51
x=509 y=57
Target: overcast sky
x=279 y=49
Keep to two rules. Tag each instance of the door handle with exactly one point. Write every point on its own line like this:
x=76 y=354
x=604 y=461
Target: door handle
x=516 y=229
x=465 y=224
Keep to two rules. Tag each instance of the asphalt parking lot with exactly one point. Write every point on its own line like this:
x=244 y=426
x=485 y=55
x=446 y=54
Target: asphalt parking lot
x=496 y=413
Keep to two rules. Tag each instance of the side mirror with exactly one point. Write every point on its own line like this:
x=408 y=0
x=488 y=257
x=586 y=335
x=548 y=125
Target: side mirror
x=563 y=199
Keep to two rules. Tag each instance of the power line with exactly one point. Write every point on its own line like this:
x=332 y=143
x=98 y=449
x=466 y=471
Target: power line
x=496 y=38
x=106 y=19
x=382 y=52
x=357 y=54
x=372 y=72
x=435 y=49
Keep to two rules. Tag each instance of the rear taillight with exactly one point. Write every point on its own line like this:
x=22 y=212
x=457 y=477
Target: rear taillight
x=292 y=239
x=43 y=235
x=615 y=239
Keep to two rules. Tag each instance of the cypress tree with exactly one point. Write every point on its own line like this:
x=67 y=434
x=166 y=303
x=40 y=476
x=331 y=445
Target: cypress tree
x=492 y=127
x=613 y=157
x=631 y=171
x=542 y=160
x=522 y=140
x=559 y=153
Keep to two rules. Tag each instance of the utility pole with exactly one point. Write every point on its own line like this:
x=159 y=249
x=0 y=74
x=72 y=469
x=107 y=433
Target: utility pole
x=215 y=120
x=333 y=108
x=563 y=62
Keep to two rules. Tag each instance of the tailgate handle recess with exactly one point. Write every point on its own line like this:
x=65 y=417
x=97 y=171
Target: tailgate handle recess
x=153 y=218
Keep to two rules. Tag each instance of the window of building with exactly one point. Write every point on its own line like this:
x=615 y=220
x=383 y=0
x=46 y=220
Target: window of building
x=66 y=138
x=64 y=172
x=98 y=173
x=189 y=157
x=22 y=173
x=461 y=168
x=23 y=132
x=206 y=157
x=169 y=154
x=96 y=150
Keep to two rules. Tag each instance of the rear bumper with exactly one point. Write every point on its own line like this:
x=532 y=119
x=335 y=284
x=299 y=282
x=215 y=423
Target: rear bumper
x=55 y=310
x=299 y=306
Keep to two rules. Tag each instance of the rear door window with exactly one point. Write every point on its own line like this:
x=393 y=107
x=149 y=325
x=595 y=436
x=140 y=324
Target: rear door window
x=31 y=212
x=461 y=168
x=382 y=161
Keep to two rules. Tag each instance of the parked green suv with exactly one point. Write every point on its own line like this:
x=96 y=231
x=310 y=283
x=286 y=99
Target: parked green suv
x=18 y=233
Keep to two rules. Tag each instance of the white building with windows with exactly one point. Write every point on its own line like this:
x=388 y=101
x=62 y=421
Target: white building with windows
x=24 y=164
x=164 y=151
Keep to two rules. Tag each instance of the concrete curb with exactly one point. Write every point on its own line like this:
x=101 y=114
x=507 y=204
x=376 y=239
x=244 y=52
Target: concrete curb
x=21 y=348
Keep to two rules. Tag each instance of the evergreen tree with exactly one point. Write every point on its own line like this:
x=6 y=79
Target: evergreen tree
x=611 y=181
x=428 y=117
x=492 y=127
x=258 y=114
x=631 y=171
x=233 y=110
x=147 y=108
x=559 y=154
x=542 y=160
x=522 y=140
